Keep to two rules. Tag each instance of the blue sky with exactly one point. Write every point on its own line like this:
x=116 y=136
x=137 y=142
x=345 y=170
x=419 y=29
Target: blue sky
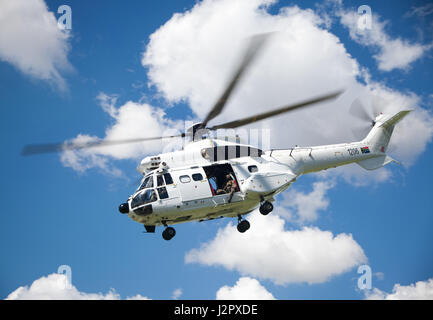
x=57 y=214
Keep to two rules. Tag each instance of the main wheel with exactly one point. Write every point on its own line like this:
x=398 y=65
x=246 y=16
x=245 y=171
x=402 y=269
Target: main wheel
x=266 y=208
x=243 y=226
x=168 y=233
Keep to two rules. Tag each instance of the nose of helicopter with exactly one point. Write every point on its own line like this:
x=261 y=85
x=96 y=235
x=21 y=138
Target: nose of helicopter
x=124 y=208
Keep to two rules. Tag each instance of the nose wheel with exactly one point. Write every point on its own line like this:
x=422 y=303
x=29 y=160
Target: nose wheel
x=168 y=233
x=243 y=225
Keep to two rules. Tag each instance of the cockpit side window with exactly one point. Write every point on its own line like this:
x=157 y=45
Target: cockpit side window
x=143 y=184
x=168 y=179
x=149 y=183
x=162 y=193
x=159 y=181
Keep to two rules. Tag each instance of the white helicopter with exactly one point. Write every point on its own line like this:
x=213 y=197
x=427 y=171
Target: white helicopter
x=213 y=178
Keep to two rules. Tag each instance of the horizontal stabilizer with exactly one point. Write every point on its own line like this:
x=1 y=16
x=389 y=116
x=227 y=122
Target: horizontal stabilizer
x=376 y=163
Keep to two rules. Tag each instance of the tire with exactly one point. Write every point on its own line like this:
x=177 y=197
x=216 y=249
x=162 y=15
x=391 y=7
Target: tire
x=266 y=208
x=243 y=226
x=168 y=233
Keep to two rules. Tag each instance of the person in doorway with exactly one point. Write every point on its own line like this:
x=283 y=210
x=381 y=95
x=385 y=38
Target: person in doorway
x=230 y=186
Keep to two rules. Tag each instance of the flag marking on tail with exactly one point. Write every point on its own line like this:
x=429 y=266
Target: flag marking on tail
x=365 y=150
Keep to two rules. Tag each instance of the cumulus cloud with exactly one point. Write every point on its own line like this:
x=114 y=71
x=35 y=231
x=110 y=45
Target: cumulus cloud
x=57 y=287
x=421 y=290
x=304 y=207
x=32 y=42
x=130 y=121
x=177 y=293
x=192 y=55
x=269 y=251
x=393 y=53
x=245 y=289
x=420 y=11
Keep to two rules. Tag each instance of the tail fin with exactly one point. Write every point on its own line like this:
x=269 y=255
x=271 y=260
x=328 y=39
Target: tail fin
x=378 y=140
x=391 y=122
x=379 y=136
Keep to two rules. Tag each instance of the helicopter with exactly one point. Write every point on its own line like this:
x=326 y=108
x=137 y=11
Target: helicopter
x=216 y=178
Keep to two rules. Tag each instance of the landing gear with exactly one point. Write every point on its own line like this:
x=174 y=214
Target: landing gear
x=168 y=233
x=265 y=208
x=243 y=225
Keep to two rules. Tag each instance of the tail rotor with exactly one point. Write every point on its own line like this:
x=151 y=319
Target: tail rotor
x=366 y=116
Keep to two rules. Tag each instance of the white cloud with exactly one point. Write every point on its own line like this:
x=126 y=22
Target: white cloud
x=392 y=53
x=269 y=251
x=379 y=275
x=131 y=120
x=245 y=289
x=192 y=55
x=421 y=290
x=304 y=207
x=420 y=11
x=177 y=293
x=82 y=160
x=31 y=41
x=57 y=287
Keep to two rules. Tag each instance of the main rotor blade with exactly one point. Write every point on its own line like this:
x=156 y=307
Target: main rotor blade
x=256 y=43
x=262 y=116
x=33 y=149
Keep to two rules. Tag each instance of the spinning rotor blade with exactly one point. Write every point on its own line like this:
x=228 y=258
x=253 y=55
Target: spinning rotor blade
x=367 y=116
x=33 y=149
x=256 y=43
x=358 y=110
x=262 y=116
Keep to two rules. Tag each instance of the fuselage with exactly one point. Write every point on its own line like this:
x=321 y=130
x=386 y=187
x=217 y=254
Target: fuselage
x=188 y=185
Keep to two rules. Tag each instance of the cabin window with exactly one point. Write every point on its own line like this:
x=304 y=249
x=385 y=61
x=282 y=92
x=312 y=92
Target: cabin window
x=253 y=169
x=144 y=197
x=168 y=179
x=162 y=193
x=159 y=181
x=184 y=179
x=197 y=177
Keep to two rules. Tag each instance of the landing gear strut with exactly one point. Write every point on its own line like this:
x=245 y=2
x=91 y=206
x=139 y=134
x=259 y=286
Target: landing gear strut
x=265 y=208
x=168 y=233
x=243 y=225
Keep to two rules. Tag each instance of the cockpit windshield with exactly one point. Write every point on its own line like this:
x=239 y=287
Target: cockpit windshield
x=144 y=197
